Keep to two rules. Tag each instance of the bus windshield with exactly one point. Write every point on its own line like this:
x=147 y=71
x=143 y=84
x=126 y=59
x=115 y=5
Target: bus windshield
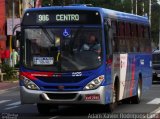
x=62 y=49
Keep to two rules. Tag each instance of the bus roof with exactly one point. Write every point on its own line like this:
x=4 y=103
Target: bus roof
x=105 y=13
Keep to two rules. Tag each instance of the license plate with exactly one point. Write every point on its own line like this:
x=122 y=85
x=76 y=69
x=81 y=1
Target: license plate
x=92 y=97
x=43 y=60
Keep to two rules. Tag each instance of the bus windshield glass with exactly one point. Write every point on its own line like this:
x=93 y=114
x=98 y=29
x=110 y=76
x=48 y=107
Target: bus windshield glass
x=62 y=49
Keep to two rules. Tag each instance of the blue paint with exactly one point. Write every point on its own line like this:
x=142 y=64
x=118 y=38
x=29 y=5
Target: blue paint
x=66 y=32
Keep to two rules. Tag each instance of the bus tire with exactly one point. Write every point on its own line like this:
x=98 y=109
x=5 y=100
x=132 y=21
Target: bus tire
x=111 y=106
x=137 y=98
x=45 y=108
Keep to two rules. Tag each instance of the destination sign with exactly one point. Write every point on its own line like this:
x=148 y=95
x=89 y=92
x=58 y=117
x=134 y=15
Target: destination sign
x=61 y=17
x=67 y=17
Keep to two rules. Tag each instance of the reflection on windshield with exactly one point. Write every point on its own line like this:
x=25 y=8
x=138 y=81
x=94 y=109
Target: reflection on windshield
x=62 y=49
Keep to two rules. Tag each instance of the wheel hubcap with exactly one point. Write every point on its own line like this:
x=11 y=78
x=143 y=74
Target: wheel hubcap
x=139 y=91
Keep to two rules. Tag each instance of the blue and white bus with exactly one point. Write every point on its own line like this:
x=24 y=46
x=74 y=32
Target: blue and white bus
x=55 y=70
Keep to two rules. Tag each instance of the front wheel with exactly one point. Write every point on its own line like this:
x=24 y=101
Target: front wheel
x=113 y=104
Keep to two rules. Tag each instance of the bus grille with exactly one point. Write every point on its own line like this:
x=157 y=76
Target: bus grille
x=57 y=88
x=61 y=96
x=61 y=79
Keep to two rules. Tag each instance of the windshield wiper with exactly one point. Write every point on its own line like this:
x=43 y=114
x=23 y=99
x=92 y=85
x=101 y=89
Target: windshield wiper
x=48 y=35
x=75 y=36
x=77 y=32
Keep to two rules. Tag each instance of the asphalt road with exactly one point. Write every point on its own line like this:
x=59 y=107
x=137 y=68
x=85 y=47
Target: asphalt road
x=10 y=108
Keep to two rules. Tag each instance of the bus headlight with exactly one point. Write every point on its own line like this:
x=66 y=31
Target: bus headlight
x=94 y=83
x=30 y=84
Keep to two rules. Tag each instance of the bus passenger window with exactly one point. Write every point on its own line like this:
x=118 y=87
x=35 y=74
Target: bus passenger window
x=128 y=36
x=121 y=37
x=134 y=41
x=141 y=38
x=147 y=40
x=115 y=43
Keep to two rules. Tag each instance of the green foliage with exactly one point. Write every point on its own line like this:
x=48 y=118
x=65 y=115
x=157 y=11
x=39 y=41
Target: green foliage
x=10 y=72
x=155 y=22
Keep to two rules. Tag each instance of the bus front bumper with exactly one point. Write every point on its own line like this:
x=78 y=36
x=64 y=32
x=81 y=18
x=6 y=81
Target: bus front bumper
x=96 y=96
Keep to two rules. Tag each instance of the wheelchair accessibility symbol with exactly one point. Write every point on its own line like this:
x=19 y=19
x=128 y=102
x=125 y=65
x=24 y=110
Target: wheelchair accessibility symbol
x=66 y=32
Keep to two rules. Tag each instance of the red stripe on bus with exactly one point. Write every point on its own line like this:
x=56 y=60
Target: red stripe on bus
x=132 y=78
x=32 y=75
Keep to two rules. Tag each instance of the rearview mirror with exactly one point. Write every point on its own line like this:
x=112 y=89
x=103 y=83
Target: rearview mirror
x=18 y=35
x=16 y=40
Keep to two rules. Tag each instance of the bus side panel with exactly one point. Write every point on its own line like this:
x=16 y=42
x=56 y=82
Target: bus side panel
x=122 y=69
x=109 y=84
x=131 y=76
x=147 y=71
x=128 y=67
x=142 y=65
x=133 y=71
